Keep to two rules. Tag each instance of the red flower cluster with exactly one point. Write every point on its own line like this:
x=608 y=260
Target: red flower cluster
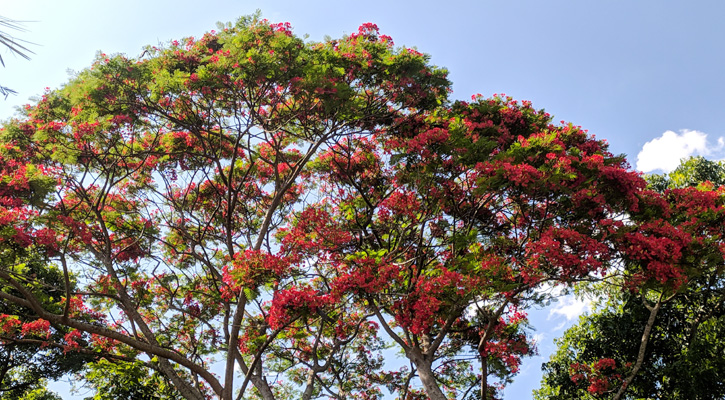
x=39 y=327
x=251 y=268
x=601 y=376
x=291 y=303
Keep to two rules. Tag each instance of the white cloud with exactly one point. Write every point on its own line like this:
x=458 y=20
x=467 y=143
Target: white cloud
x=539 y=338
x=665 y=152
x=570 y=307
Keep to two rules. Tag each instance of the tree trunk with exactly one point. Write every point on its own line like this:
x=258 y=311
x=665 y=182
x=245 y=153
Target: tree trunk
x=642 y=349
x=429 y=382
x=310 y=385
x=484 y=378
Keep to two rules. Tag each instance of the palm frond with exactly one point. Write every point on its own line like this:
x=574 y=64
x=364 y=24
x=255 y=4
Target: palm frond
x=15 y=46
x=6 y=91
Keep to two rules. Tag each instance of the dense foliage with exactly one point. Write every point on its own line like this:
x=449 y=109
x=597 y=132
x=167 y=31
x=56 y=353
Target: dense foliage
x=248 y=215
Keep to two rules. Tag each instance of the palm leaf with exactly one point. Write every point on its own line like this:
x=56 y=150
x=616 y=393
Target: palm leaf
x=15 y=46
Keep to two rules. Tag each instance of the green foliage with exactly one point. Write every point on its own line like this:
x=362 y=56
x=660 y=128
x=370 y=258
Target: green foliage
x=693 y=172
x=126 y=381
x=37 y=393
x=685 y=356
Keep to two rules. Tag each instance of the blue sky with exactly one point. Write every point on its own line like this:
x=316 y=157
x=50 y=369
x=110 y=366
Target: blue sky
x=646 y=75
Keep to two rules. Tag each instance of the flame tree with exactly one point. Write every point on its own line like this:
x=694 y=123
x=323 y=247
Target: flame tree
x=284 y=211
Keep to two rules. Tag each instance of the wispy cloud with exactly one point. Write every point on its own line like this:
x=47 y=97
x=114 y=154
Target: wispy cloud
x=538 y=338
x=569 y=307
x=665 y=152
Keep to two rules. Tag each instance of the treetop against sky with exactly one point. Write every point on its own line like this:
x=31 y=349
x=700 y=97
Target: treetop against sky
x=627 y=71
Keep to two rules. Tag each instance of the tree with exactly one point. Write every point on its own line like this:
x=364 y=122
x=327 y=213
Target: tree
x=683 y=357
x=250 y=202
x=682 y=361
x=691 y=172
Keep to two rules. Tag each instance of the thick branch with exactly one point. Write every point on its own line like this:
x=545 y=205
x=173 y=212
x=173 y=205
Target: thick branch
x=31 y=302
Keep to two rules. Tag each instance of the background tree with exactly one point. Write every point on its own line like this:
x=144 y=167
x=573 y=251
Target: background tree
x=692 y=172
x=125 y=380
x=684 y=354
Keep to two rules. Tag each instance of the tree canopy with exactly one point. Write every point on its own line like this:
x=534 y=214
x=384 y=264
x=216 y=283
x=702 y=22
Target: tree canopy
x=249 y=215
